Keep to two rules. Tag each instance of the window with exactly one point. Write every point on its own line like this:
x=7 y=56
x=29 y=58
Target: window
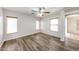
x=54 y=25
x=11 y=24
x=37 y=25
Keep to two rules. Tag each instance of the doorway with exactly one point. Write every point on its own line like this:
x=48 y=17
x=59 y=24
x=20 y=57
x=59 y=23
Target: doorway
x=72 y=26
x=72 y=31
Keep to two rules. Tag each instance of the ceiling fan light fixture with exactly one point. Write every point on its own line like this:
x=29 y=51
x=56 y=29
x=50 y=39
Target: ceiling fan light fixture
x=40 y=14
x=40 y=11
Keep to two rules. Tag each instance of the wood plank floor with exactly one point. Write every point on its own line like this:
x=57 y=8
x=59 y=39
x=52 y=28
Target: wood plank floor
x=38 y=42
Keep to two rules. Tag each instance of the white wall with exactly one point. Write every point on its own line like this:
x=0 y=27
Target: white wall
x=1 y=24
x=26 y=25
x=45 y=25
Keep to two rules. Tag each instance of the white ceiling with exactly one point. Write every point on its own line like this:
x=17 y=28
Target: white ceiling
x=28 y=10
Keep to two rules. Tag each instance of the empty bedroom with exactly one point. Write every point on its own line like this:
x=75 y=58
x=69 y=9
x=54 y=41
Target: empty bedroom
x=39 y=28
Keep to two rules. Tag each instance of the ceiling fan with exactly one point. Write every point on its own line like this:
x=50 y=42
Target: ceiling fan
x=40 y=11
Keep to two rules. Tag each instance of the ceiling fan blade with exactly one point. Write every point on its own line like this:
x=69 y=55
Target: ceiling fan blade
x=34 y=11
x=46 y=12
x=40 y=9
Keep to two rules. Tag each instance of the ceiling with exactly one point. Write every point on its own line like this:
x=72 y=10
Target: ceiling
x=69 y=9
x=28 y=10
